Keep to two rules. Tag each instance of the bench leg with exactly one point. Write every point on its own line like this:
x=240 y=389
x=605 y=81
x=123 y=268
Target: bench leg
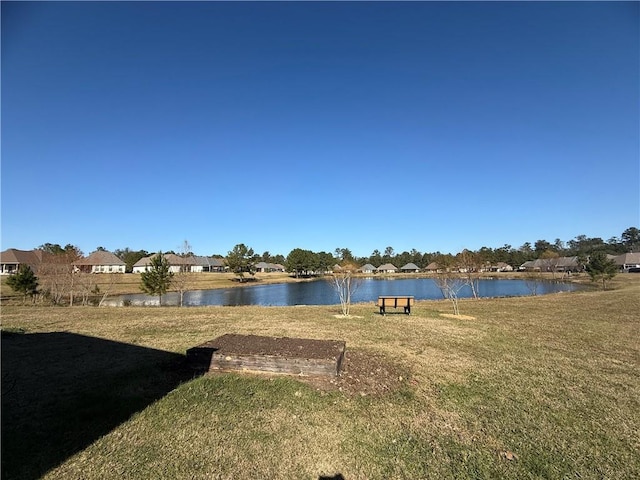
x=382 y=310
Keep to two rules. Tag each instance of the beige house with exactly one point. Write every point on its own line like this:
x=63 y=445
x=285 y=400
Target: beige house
x=387 y=268
x=176 y=263
x=100 y=262
x=11 y=259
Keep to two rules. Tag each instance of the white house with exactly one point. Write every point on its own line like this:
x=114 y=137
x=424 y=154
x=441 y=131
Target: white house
x=207 y=264
x=142 y=265
x=501 y=267
x=368 y=268
x=410 y=268
x=627 y=261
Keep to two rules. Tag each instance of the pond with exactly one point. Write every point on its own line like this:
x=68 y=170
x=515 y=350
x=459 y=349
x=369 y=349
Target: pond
x=321 y=292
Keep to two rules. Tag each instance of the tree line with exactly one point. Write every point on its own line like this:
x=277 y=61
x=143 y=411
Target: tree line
x=301 y=261
x=58 y=279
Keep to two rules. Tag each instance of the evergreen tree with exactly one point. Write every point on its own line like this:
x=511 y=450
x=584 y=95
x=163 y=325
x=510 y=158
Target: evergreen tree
x=157 y=279
x=601 y=268
x=242 y=260
x=24 y=281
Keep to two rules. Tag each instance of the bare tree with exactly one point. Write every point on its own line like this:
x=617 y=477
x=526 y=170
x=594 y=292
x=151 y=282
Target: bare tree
x=550 y=261
x=345 y=283
x=533 y=281
x=56 y=273
x=106 y=289
x=450 y=286
x=182 y=279
x=470 y=264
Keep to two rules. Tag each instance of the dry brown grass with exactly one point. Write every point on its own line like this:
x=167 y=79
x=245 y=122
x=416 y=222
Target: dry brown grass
x=552 y=379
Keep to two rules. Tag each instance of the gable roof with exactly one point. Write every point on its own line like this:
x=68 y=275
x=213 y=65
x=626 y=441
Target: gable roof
x=100 y=258
x=143 y=262
x=207 y=261
x=410 y=266
x=13 y=255
x=387 y=266
x=628 y=259
x=367 y=267
x=32 y=258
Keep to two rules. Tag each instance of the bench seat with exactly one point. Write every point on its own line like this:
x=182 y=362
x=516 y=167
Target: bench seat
x=396 y=301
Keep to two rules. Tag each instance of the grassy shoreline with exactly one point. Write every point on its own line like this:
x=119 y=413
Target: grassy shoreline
x=532 y=387
x=129 y=283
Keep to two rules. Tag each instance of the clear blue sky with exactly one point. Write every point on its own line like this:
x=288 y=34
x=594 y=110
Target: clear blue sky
x=434 y=126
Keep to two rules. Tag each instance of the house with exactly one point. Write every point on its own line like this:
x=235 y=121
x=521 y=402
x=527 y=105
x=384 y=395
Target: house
x=368 y=268
x=387 y=268
x=100 y=262
x=567 y=264
x=178 y=264
x=530 y=266
x=410 y=268
x=142 y=265
x=207 y=264
x=11 y=259
x=501 y=267
x=269 y=267
x=627 y=261
x=432 y=267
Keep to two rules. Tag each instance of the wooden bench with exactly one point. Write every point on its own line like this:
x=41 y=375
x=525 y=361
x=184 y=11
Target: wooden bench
x=395 y=301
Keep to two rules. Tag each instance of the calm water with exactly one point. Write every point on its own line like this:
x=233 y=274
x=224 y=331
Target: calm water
x=320 y=292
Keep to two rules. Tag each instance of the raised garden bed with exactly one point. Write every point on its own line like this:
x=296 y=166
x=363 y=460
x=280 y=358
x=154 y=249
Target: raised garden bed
x=281 y=355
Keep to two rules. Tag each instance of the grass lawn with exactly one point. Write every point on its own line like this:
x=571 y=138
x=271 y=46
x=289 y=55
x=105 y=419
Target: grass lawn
x=532 y=387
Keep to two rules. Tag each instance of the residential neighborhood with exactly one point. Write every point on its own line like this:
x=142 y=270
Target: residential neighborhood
x=102 y=261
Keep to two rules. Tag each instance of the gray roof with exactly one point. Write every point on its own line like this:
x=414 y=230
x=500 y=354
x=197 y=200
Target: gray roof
x=367 y=267
x=628 y=259
x=410 y=266
x=143 y=262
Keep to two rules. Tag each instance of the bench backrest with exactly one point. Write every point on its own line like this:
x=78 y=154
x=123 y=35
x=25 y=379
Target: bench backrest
x=400 y=301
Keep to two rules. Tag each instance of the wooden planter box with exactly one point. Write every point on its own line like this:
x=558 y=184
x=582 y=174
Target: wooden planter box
x=252 y=353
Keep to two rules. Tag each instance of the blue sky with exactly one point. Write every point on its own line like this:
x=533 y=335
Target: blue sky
x=434 y=126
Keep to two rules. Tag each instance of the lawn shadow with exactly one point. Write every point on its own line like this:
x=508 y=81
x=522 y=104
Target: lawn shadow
x=62 y=391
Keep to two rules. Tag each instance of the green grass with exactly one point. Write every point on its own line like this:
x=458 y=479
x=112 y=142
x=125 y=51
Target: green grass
x=535 y=387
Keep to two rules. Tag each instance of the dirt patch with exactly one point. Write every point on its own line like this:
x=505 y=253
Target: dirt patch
x=364 y=373
x=457 y=317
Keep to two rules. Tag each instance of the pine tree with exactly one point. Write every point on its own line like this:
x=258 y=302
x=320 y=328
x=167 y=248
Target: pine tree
x=601 y=268
x=24 y=281
x=157 y=280
x=242 y=260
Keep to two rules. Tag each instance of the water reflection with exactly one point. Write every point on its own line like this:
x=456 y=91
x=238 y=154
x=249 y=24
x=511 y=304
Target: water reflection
x=321 y=292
